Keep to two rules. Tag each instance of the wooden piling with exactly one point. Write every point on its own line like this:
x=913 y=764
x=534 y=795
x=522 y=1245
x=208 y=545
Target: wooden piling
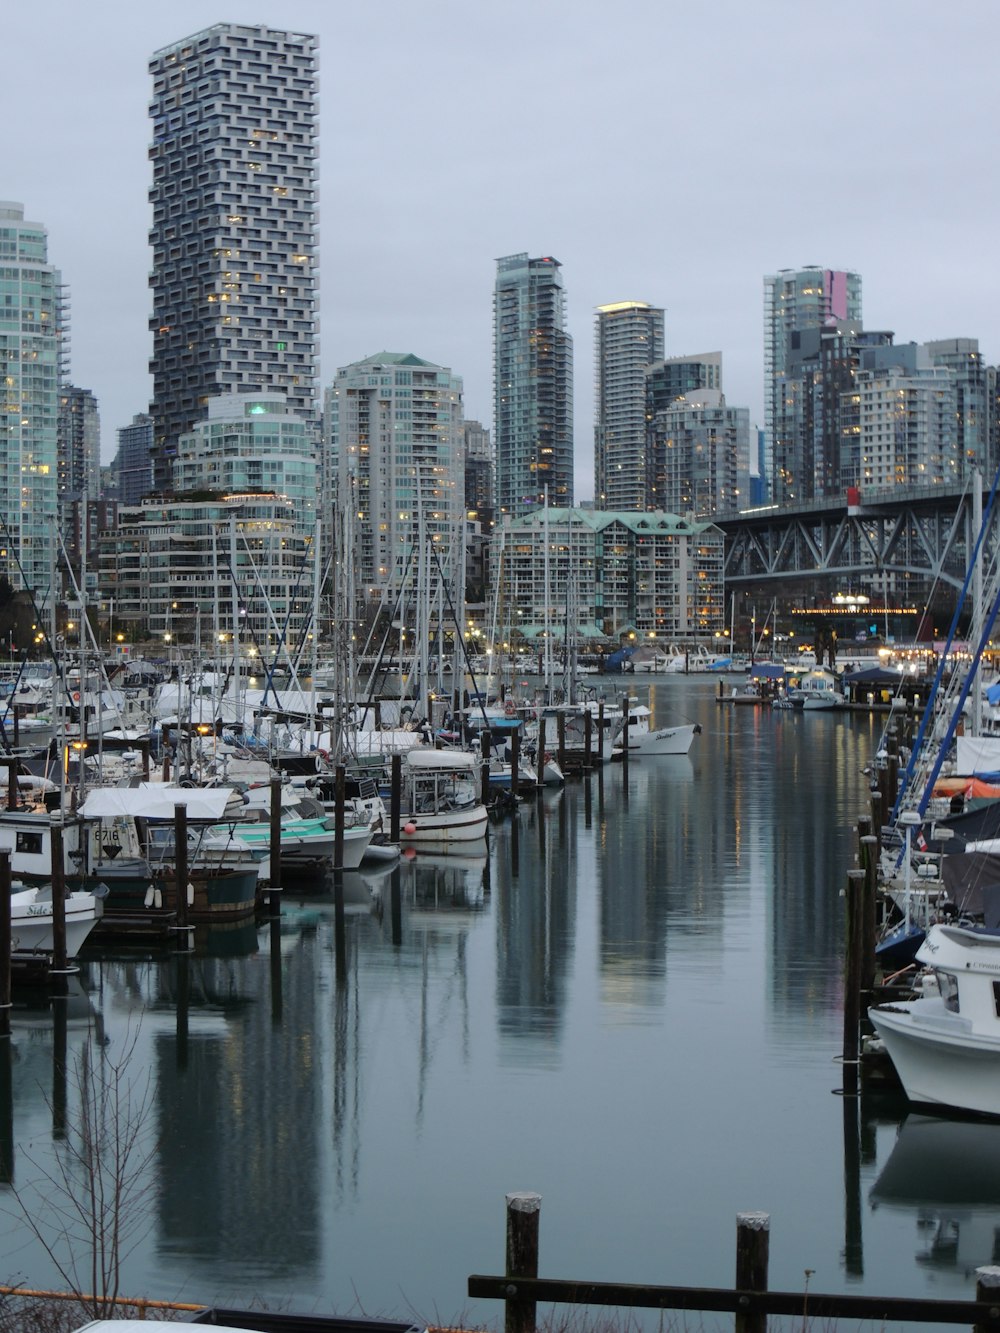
x=274 y=846
x=485 y=744
x=600 y=732
x=588 y=738
x=988 y=1290
x=395 y=791
x=144 y=751
x=339 y=802
x=540 y=754
x=58 y=871
x=515 y=760
x=522 y=1258
x=561 y=736
x=876 y=805
x=12 y=789
x=852 y=980
x=625 y=738
x=181 y=864
x=753 y=1240
x=869 y=903
x=5 y=943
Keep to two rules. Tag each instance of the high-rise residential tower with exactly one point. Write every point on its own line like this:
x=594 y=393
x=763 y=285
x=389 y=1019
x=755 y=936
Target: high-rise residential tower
x=532 y=385
x=395 y=440
x=133 y=464
x=30 y=366
x=79 y=444
x=235 y=270
x=797 y=301
x=628 y=339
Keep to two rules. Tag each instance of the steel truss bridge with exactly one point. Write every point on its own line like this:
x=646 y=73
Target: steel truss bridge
x=899 y=540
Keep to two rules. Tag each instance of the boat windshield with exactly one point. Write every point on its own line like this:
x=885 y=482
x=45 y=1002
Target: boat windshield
x=948 y=985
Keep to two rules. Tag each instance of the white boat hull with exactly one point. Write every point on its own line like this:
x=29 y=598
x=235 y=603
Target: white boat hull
x=664 y=740
x=31 y=921
x=444 y=827
x=939 y=1060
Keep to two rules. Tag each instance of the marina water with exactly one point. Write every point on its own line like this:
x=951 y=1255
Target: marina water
x=632 y=1005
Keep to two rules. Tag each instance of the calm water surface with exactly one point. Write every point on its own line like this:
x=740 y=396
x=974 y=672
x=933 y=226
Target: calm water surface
x=631 y=1005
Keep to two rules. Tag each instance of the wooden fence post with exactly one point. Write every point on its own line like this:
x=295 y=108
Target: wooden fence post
x=753 y=1238
x=522 y=1258
x=869 y=862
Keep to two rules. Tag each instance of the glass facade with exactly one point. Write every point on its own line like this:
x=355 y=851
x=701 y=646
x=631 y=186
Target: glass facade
x=532 y=385
x=29 y=375
x=628 y=338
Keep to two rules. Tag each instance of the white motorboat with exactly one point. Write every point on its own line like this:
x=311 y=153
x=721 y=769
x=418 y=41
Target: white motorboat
x=31 y=920
x=946 y=1044
x=644 y=739
x=817 y=689
x=442 y=799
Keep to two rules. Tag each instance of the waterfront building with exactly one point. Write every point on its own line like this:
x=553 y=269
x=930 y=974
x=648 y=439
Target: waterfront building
x=532 y=385
x=251 y=442
x=973 y=401
x=702 y=448
x=480 y=509
x=900 y=421
x=31 y=370
x=628 y=339
x=199 y=568
x=655 y=574
x=133 y=463
x=79 y=433
x=234 y=275
x=394 y=449
x=676 y=376
x=796 y=301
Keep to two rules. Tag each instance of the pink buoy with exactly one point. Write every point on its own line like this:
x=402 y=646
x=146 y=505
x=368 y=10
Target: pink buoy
x=409 y=828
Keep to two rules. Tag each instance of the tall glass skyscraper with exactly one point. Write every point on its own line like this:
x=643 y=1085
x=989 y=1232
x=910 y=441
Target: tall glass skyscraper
x=795 y=301
x=30 y=366
x=628 y=339
x=532 y=385
x=235 y=270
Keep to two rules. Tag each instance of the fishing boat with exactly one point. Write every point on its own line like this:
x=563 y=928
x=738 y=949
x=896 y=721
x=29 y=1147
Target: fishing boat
x=442 y=799
x=945 y=1044
x=644 y=739
x=32 y=920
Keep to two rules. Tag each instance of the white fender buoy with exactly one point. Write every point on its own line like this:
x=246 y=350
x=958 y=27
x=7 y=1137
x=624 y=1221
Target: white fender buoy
x=148 y=900
x=157 y=898
x=190 y=894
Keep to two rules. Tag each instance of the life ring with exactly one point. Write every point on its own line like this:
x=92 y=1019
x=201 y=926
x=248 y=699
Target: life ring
x=509 y=708
x=76 y=696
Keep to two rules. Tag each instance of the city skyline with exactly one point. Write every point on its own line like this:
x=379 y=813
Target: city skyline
x=407 y=256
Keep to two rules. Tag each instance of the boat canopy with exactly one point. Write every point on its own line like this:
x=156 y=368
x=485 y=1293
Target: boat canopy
x=461 y=760
x=156 y=800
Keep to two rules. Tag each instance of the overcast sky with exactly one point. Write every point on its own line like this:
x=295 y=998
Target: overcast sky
x=662 y=151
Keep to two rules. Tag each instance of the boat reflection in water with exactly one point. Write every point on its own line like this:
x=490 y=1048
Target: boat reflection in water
x=947 y=1174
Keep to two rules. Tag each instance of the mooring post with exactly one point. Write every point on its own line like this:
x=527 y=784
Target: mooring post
x=869 y=862
x=12 y=787
x=5 y=944
x=181 y=864
x=485 y=745
x=588 y=738
x=340 y=800
x=515 y=760
x=876 y=796
x=600 y=732
x=522 y=1258
x=58 y=871
x=395 y=790
x=625 y=727
x=988 y=1289
x=540 y=754
x=753 y=1238
x=274 y=848
x=561 y=734
x=852 y=980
